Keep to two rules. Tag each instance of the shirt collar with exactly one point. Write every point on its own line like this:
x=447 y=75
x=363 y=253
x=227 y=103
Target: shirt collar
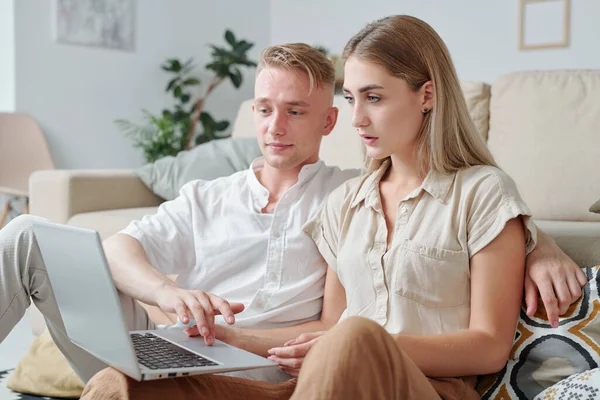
x=261 y=193
x=436 y=183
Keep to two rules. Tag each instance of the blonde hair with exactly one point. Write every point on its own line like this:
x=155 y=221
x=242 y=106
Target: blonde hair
x=300 y=57
x=410 y=49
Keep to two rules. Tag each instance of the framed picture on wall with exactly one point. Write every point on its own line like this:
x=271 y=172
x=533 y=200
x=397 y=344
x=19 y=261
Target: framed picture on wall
x=100 y=23
x=544 y=24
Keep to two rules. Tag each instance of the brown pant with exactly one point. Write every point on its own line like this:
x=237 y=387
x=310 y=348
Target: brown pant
x=357 y=359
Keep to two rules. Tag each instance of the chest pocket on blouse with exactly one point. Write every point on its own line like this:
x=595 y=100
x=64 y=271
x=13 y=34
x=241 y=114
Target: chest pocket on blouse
x=431 y=276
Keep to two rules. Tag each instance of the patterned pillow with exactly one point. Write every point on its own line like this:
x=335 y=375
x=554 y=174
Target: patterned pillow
x=542 y=356
x=583 y=386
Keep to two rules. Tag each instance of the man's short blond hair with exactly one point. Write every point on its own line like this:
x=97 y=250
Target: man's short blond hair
x=300 y=57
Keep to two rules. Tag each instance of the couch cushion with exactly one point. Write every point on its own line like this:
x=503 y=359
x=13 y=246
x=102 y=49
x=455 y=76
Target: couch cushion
x=579 y=240
x=544 y=132
x=477 y=96
x=109 y=222
x=585 y=385
x=595 y=208
x=217 y=158
x=542 y=356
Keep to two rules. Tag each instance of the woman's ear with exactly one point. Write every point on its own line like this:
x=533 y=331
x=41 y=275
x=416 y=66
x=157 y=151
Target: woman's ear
x=427 y=97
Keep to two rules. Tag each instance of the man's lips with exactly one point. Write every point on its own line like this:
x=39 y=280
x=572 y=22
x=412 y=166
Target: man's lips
x=279 y=145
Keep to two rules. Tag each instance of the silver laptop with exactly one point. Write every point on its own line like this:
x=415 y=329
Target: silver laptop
x=91 y=312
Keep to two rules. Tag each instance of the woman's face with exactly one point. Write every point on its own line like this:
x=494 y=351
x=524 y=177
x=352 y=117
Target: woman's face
x=386 y=111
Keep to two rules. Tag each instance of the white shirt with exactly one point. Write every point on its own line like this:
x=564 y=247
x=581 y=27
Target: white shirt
x=215 y=237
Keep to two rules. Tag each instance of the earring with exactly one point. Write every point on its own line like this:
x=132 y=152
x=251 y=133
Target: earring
x=425 y=110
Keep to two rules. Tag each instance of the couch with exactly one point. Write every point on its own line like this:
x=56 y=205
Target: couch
x=543 y=128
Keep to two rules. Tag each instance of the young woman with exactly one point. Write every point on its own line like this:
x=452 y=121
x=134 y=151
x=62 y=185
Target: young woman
x=429 y=246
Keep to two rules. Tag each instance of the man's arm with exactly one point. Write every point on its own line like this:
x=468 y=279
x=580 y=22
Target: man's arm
x=259 y=341
x=553 y=276
x=131 y=270
x=136 y=277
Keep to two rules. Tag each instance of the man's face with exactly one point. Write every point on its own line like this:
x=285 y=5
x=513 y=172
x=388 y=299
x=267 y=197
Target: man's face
x=290 y=122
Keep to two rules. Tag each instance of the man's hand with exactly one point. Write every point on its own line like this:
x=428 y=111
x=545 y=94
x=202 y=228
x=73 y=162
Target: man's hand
x=200 y=306
x=557 y=278
x=290 y=357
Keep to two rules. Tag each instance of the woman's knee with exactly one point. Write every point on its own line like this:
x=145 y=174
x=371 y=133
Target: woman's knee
x=357 y=328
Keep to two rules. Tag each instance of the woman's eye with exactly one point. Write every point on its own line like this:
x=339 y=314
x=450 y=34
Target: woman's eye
x=349 y=99
x=373 y=99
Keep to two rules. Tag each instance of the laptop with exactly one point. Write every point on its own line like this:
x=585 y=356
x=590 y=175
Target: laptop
x=89 y=305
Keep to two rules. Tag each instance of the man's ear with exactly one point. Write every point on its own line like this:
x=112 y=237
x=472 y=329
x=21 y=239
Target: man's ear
x=330 y=121
x=427 y=96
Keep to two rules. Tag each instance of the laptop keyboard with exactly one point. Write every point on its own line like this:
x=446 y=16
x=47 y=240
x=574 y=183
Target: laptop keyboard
x=157 y=353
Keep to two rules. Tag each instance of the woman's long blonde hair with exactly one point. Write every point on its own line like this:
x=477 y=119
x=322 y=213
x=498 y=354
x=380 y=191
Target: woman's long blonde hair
x=410 y=49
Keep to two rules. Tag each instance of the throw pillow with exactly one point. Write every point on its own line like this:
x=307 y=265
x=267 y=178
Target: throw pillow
x=541 y=356
x=211 y=160
x=595 y=208
x=584 y=386
x=44 y=371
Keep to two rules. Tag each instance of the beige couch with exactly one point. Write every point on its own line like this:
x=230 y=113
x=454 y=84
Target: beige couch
x=543 y=128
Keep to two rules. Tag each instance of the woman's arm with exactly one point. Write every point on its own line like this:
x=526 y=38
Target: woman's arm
x=497 y=273
x=259 y=341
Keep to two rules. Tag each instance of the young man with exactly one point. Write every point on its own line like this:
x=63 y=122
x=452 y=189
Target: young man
x=237 y=238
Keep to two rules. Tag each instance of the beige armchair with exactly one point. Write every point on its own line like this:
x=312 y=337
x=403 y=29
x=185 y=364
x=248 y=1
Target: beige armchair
x=23 y=149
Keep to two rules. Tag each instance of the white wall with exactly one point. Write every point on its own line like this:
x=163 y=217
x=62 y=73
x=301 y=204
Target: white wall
x=481 y=35
x=7 y=56
x=76 y=92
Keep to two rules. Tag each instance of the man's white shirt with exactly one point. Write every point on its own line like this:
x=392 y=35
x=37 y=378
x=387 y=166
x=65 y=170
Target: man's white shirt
x=216 y=239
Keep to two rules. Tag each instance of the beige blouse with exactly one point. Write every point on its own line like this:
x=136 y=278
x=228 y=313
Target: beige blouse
x=421 y=285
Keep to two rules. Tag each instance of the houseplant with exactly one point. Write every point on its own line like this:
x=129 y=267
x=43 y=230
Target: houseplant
x=177 y=129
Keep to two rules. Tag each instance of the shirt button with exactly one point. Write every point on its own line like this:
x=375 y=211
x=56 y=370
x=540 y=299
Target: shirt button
x=404 y=210
x=276 y=235
x=272 y=276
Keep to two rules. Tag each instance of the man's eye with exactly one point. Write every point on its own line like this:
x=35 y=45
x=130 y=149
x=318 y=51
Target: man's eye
x=295 y=113
x=263 y=110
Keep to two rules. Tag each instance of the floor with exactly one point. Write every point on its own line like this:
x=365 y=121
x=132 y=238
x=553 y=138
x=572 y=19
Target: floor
x=14 y=347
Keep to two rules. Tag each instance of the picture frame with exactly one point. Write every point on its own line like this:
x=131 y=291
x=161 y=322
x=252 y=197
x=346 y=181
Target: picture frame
x=565 y=30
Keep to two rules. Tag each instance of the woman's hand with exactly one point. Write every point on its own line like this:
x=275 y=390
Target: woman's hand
x=290 y=357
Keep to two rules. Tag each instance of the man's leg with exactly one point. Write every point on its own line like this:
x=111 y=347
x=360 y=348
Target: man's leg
x=23 y=278
x=358 y=359
x=111 y=384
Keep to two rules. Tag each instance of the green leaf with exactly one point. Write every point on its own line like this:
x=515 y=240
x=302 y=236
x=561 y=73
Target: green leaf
x=176 y=66
x=243 y=46
x=202 y=139
x=171 y=83
x=184 y=98
x=167 y=114
x=221 y=125
x=191 y=82
x=205 y=118
x=178 y=91
x=236 y=77
x=230 y=38
x=168 y=66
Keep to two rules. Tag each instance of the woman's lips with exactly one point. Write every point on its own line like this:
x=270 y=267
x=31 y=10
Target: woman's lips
x=369 y=140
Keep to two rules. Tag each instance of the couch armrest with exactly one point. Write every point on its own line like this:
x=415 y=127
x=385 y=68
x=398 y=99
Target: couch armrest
x=57 y=195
